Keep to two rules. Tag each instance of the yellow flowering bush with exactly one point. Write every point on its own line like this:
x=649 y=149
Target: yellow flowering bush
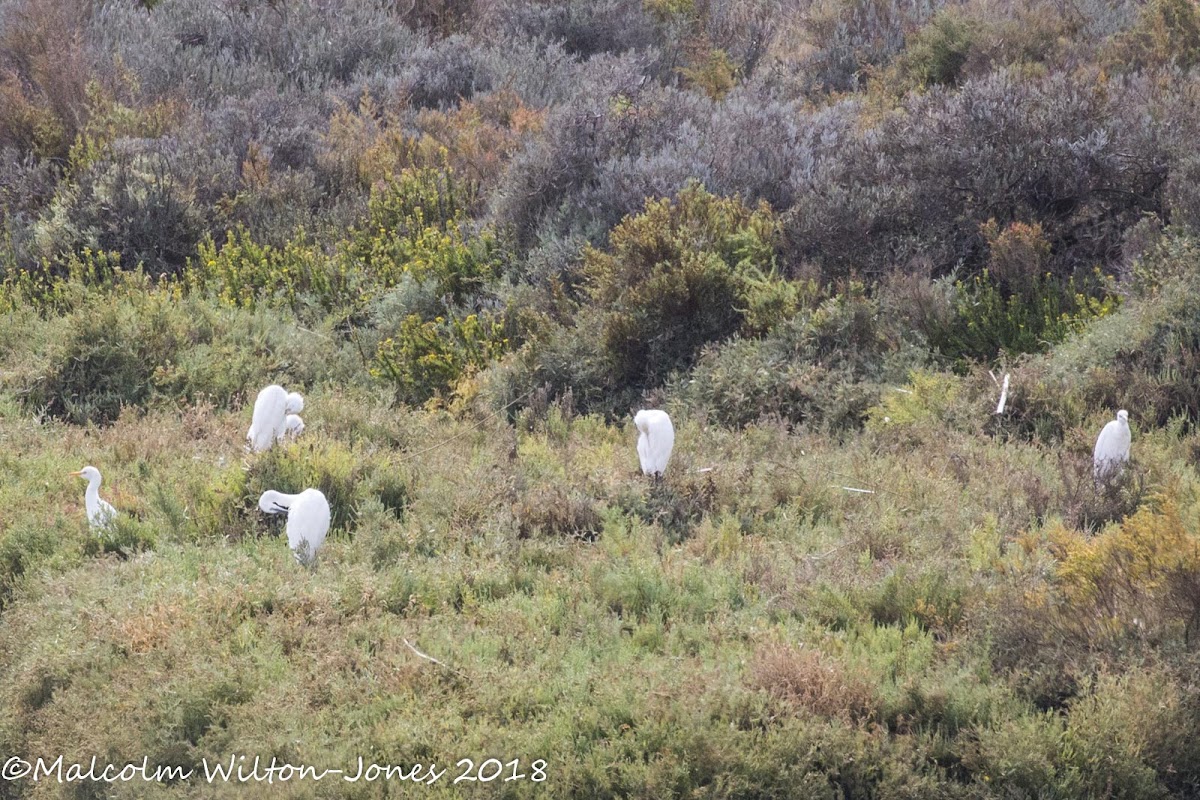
x=426 y=358
x=415 y=225
x=1141 y=574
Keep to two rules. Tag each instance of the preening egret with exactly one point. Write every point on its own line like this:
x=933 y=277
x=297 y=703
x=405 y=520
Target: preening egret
x=307 y=520
x=293 y=426
x=656 y=437
x=100 y=514
x=1112 y=448
x=271 y=408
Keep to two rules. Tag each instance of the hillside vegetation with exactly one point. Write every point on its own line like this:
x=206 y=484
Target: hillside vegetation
x=478 y=235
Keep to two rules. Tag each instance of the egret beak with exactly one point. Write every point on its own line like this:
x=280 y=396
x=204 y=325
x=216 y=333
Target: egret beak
x=76 y=474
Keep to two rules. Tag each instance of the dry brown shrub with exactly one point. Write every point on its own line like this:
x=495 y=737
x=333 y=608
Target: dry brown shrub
x=152 y=629
x=814 y=682
x=554 y=511
x=1017 y=254
x=1087 y=505
x=480 y=136
x=43 y=76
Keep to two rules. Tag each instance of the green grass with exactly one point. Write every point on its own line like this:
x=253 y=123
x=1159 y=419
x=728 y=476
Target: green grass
x=937 y=603
x=660 y=657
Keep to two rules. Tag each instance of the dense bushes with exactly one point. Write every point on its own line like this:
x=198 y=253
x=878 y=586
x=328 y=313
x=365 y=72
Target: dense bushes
x=1142 y=359
x=824 y=367
x=684 y=273
x=676 y=277
x=348 y=478
x=819 y=109
x=130 y=347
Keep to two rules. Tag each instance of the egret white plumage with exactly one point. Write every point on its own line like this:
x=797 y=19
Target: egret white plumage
x=656 y=438
x=100 y=514
x=307 y=520
x=269 y=422
x=293 y=426
x=1112 y=448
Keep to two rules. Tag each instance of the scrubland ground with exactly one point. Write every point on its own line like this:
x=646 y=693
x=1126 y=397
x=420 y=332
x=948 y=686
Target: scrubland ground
x=478 y=235
x=976 y=626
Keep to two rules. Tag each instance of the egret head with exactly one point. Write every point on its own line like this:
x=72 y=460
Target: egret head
x=89 y=474
x=295 y=403
x=273 y=502
x=1123 y=416
x=640 y=422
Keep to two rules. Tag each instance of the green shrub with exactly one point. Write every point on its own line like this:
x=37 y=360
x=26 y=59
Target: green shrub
x=416 y=224
x=347 y=477
x=125 y=538
x=425 y=359
x=825 y=366
x=989 y=321
x=676 y=277
x=393 y=489
x=685 y=273
x=21 y=549
x=107 y=360
x=925 y=401
x=133 y=204
x=712 y=72
x=61 y=285
x=635 y=593
x=1018 y=755
x=332 y=468
x=134 y=346
x=934 y=600
x=937 y=53
x=414 y=229
x=1143 y=358
x=1166 y=33
x=1132 y=735
x=243 y=273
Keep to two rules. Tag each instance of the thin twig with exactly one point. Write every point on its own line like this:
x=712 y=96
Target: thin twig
x=431 y=658
x=820 y=556
x=314 y=333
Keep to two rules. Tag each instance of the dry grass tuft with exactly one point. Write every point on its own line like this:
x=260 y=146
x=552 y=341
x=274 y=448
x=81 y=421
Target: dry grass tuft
x=814 y=682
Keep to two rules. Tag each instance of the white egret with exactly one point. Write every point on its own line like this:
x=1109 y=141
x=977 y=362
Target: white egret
x=100 y=514
x=271 y=408
x=293 y=426
x=656 y=437
x=1112 y=448
x=307 y=520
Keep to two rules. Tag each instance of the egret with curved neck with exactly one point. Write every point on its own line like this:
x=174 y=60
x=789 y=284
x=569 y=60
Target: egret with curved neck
x=100 y=514
x=307 y=520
